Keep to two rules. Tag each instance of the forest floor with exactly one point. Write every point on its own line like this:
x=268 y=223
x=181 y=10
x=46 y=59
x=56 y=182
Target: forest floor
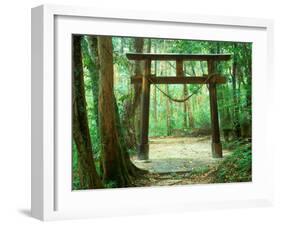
x=179 y=160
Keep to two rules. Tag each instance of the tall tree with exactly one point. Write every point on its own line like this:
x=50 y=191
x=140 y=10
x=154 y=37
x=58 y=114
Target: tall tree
x=187 y=106
x=131 y=117
x=139 y=70
x=168 y=112
x=235 y=91
x=92 y=53
x=188 y=110
x=117 y=167
x=155 y=92
x=90 y=62
x=87 y=171
x=225 y=116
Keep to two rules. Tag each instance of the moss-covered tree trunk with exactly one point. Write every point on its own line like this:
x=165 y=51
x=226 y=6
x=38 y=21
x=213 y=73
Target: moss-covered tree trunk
x=87 y=171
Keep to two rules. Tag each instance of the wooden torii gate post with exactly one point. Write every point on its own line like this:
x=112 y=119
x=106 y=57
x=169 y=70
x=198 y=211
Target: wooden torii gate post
x=147 y=78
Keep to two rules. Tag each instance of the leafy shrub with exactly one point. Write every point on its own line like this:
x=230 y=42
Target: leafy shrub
x=237 y=167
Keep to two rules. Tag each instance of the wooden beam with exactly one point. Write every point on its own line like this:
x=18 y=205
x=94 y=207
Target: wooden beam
x=143 y=148
x=216 y=144
x=175 y=57
x=181 y=80
x=179 y=68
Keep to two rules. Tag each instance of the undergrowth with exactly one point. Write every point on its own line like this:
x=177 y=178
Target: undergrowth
x=235 y=168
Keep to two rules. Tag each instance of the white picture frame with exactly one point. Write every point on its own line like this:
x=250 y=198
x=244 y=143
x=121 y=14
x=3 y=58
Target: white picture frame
x=52 y=197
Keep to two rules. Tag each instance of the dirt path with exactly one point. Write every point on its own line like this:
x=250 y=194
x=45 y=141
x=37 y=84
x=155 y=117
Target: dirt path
x=174 y=160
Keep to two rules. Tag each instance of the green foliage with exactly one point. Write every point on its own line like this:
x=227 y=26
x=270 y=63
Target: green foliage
x=202 y=117
x=232 y=145
x=75 y=173
x=237 y=167
x=200 y=101
x=234 y=97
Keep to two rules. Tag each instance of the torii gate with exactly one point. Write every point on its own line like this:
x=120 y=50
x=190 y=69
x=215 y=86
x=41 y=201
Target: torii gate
x=147 y=78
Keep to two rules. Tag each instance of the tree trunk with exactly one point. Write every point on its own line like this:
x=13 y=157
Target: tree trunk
x=90 y=53
x=122 y=46
x=249 y=77
x=116 y=164
x=155 y=94
x=193 y=68
x=223 y=100
x=155 y=101
x=131 y=119
x=81 y=134
x=94 y=72
x=187 y=107
x=185 y=93
x=236 y=123
x=249 y=87
x=164 y=72
x=148 y=45
x=189 y=110
x=139 y=70
x=168 y=112
x=225 y=116
x=202 y=68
